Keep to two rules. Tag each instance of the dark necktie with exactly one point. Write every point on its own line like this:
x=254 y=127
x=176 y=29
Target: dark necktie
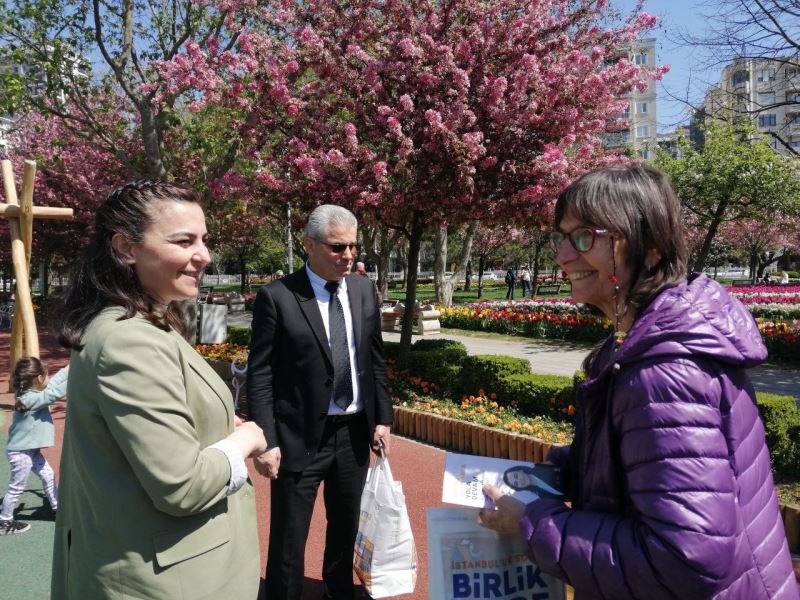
x=340 y=351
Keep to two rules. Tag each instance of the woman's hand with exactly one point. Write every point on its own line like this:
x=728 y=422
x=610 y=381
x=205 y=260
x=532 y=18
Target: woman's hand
x=269 y=463
x=505 y=518
x=249 y=438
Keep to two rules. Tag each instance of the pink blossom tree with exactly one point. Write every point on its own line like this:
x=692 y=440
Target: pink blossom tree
x=764 y=241
x=419 y=113
x=73 y=172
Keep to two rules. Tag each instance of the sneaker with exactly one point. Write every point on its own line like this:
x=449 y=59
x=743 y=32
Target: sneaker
x=9 y=527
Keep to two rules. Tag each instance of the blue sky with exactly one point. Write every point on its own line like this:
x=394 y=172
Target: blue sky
x=690 y=76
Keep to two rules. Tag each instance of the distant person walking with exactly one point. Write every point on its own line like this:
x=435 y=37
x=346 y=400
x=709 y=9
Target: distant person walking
x=525 y=278
x=31 y=430
x=511 y=282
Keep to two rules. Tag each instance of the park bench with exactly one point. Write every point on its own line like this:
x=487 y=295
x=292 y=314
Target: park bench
x=233 y=300
x=203 y=293
x=426 y=318
x=543 y=289
x=742 y=282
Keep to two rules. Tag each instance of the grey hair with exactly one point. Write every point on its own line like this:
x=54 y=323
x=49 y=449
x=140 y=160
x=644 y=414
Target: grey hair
x=324 y=217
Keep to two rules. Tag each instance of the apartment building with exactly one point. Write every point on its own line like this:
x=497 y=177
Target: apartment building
x=641 y=133
x=765 y=90
x=36 y=84
x=5 y=127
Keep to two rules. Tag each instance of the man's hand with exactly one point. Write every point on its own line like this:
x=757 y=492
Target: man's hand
x=381 y=435
x=505 y=518
x=268 y=463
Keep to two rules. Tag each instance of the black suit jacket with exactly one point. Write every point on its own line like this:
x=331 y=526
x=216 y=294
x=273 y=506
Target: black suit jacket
x=290 y=372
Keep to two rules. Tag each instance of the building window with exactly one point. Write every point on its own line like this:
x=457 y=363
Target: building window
x=740 y=77
x=766 y=98
x=644 y=154
x=794 y=143
x=767 y=120
x=793 y=96
x=642 y=131
x=793 y=119
x=765 y=75
x=791 y=72
x=641 y=108
x=640 y=58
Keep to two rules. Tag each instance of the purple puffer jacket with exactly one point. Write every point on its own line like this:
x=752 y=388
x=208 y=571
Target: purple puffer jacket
x=672 y=488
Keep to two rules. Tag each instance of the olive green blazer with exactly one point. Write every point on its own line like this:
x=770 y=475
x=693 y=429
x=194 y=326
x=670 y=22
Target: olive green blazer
x=142 y=506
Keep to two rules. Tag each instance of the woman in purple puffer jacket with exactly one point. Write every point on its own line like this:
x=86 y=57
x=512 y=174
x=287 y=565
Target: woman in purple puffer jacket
x=669 y=475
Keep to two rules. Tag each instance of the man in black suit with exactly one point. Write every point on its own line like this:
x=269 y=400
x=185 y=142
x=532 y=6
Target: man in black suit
x=316 y=384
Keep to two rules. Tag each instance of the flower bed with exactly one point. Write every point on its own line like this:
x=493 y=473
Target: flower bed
x=770 y=302
x=483 y=410
x=777 y=311
x=554 y=319
x=781 y=339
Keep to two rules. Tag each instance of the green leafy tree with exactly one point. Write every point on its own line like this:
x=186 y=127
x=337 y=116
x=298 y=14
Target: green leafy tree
x=735 y=176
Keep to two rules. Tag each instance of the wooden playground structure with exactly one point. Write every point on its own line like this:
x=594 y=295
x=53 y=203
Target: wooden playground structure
x=20 y=213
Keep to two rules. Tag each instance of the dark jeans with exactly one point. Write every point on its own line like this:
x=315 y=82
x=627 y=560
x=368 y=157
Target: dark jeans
x=527 y=287
x=510 y=292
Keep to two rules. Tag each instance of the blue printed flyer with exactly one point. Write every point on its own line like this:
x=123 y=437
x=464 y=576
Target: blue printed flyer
x=469 y=562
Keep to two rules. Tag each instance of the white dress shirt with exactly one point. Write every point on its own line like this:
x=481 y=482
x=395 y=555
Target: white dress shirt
x=323 y=298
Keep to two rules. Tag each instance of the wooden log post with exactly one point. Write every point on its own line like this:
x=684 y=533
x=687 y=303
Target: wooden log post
x=20 y=216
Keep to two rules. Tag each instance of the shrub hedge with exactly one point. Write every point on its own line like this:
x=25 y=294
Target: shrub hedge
x=534 y=394
x=510 y=379
x=484 y=371
x=239 y=335
x=781 y=418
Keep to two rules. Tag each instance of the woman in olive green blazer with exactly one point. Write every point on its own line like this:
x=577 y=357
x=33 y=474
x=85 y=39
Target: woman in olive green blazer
x=155 y=501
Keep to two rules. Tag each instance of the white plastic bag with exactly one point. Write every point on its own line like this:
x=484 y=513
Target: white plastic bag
x=385 y=558
x=468 y=561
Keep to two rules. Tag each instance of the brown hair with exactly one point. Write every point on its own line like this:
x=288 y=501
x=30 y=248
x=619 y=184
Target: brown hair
x=27 y=369
x=102 y=278
x=638 y=204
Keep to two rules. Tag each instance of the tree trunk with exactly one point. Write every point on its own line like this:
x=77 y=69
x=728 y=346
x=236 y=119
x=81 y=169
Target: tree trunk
x=537 y=250
x=151 y=143
x=481 y=267
x=44 y=279
x=440 y=285
x=716 y=221
x=444 y=292
x=468 y=277
x=243 y=271
x=414 y=243
x=378 y=245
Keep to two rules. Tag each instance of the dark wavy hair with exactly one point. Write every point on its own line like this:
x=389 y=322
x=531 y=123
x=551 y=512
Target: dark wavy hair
x=27 y=369
x=101 y=278
x=638 y=205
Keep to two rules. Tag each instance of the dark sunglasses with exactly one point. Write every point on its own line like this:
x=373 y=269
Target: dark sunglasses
x=581 y=238
x=339 y=248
